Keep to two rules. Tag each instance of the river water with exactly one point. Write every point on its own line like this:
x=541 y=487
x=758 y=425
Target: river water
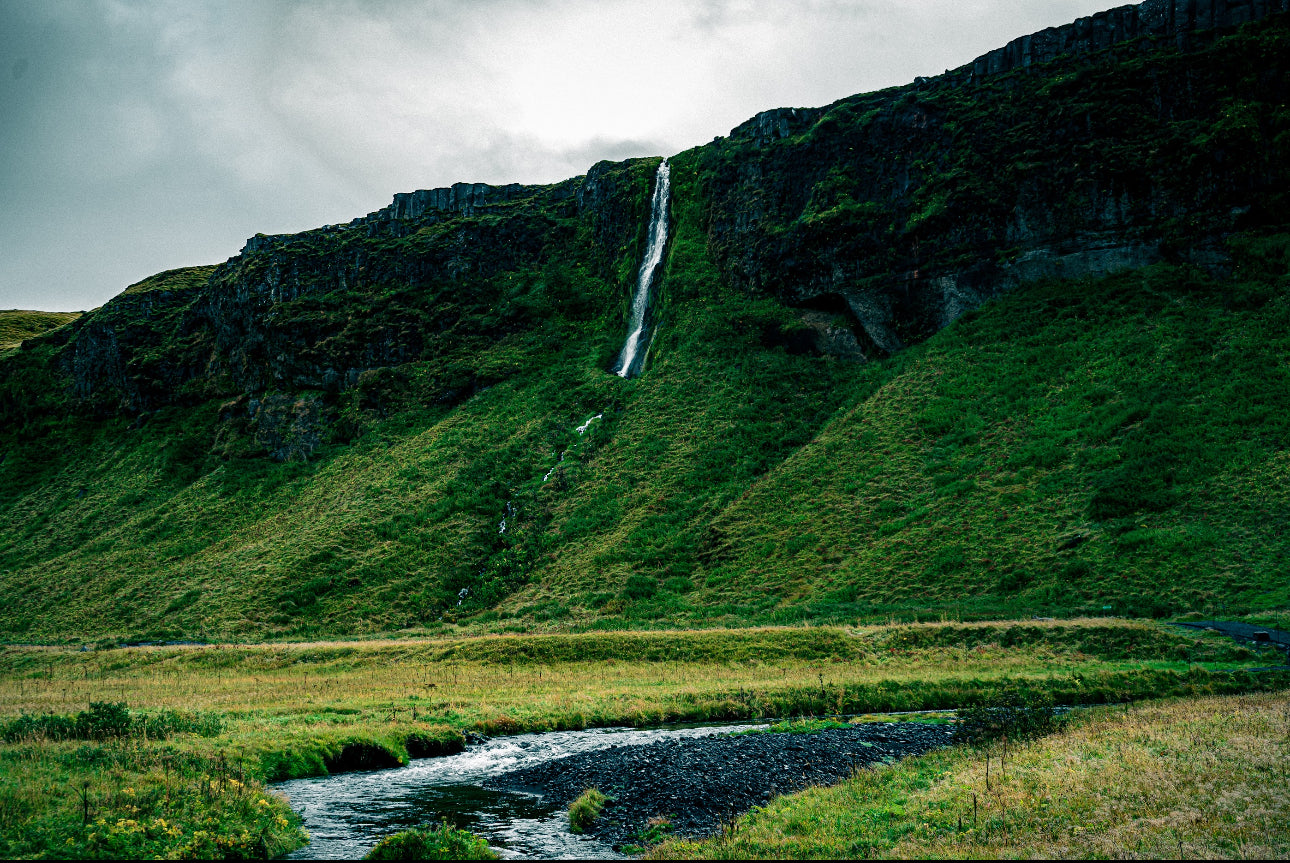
x=348 y=813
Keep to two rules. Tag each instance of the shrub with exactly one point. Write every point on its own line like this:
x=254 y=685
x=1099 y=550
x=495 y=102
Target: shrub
x=584 y=811
x=105 y=721
x=640 y=587
x=1009 y=714
x=444 y=842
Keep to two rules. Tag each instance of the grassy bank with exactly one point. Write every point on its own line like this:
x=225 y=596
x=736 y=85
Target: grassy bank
x=227 y=719
x=130 y=798
x=1195 y=778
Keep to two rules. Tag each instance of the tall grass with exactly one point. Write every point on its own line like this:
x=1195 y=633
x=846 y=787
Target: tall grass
x=208 y=725
x=1178 y=779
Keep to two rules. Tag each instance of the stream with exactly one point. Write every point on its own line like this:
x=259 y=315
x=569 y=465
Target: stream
x=348 y=813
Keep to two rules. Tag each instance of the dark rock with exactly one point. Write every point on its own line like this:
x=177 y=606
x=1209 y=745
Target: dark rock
x=833 y=208
x=699 y=783
x=291 y=427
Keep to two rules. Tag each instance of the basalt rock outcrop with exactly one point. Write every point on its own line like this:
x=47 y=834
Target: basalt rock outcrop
x=141 y=349
x=344 y=307
x=1139 y=134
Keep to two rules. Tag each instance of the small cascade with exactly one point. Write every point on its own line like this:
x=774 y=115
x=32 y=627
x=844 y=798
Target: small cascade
x=552 y=470
x=581 y=430
x=638 y=332
x=510 y=514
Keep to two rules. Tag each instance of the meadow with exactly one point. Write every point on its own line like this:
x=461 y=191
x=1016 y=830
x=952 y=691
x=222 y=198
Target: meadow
x=1177 y=779
x=209 y=726
x=17 y=325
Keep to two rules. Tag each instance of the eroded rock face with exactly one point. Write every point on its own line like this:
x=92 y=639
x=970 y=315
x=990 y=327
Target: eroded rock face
x=290 y=427
x=1074 y=152
x=1176 y=20
x=295 y=320
x=115 y=359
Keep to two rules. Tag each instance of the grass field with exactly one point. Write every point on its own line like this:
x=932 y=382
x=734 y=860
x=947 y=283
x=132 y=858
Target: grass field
x=18 y=324
x=228 y=718
x=1203 y=778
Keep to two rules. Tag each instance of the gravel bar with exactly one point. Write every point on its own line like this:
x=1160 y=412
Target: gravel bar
x=700 y=782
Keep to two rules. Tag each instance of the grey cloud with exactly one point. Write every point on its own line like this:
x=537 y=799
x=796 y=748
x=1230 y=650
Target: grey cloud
x=139 y=136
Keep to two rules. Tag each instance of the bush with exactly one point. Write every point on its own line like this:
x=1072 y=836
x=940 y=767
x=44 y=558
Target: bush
x=584 y=811
x=105 y=721
x=1010 y=715
x=444 y=842
x=640 y=587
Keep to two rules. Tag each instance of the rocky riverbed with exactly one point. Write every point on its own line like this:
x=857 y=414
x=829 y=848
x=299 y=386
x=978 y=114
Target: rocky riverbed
x=699 y=783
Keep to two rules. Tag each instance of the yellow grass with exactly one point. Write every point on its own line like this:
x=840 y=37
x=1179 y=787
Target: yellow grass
x=1197 y=778
x=374 y=676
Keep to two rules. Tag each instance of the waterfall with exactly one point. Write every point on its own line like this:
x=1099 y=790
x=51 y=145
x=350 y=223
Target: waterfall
x=629 y=360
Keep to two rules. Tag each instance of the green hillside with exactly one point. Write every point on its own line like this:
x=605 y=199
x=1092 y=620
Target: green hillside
x=1073 y=445
x=17 y=325
x=407 y=424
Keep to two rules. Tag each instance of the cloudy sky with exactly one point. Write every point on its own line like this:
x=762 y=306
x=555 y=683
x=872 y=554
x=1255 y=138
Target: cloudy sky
x=140 y=136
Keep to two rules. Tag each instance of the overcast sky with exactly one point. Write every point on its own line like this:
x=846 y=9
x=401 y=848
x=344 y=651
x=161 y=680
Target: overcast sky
x=140 y=136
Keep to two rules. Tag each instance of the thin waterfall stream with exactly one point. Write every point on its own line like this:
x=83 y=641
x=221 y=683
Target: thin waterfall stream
x=638 y=327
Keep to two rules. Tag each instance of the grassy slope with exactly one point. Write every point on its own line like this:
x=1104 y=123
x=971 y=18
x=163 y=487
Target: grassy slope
x=384 y=533
x=1069 y=446
x=17 y=324
x=1119 y=443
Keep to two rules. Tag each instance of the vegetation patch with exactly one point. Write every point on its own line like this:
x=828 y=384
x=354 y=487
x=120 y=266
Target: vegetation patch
x=585 y=811
x=106 y=721
x=444 y=842
x=124 y=799
x=800 y=726
x=1172 y=779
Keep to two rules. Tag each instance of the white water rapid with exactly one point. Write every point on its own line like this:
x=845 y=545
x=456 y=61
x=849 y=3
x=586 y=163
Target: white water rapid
x=347 y=813
x=629 y=360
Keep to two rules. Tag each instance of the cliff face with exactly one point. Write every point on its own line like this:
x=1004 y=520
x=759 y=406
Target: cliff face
x=1141 y=133
x=141 y=349
x=1178 y=21
x=434 y=276
x=317 y=310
